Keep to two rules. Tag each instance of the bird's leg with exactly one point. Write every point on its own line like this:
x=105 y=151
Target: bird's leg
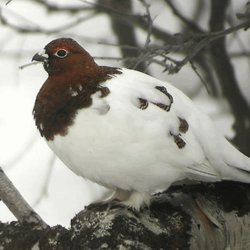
x=117 y=198
x=137 y=200
x=114 y=201
x=130 y=199
x=120 y=195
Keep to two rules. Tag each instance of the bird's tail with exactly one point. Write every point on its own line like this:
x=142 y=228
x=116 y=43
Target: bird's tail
x=238 y=163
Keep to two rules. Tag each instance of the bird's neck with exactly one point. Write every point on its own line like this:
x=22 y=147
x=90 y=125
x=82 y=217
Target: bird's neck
x=63 y=95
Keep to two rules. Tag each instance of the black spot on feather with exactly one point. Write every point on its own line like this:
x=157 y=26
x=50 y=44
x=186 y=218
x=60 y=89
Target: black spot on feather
x=143 y=103
x=165 y=92
x=178 y=140
x=183 y=125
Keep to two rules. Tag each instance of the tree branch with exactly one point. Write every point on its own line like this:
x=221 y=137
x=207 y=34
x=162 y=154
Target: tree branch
x=16 y=203
x=37 y=29
x=226 y=76
x=125 y=33
x=192 y=25
x=202 y=216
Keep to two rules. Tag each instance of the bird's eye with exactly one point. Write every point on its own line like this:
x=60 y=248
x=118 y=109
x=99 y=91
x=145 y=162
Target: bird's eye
x=61 y=53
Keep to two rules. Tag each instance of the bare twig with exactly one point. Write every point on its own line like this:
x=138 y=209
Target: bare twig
x=199 y=76
x=124 y=32
x=8 y=2
x=53 y=7
x=142 y=57
x=37 y=29
x=237 y=54
x=149 y=21
x=28 y=64
x=186 y=21
x=192 y=45
x=136 y=20
x=16 y=203
x=205 y=40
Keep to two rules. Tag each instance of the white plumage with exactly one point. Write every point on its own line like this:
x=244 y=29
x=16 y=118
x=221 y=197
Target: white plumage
x=119 y=145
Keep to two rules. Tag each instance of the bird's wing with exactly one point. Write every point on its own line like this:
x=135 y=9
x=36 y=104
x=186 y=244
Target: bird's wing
x=203 y=171
x=167 y=119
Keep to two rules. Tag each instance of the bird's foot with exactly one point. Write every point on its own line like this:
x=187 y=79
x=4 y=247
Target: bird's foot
x=136 y=201
x=98 y=204
x=107 y=205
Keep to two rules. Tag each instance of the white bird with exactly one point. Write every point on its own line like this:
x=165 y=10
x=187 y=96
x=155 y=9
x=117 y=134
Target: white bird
x=126 y=130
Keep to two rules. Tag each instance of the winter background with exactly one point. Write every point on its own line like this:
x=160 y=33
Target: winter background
x=49 y=187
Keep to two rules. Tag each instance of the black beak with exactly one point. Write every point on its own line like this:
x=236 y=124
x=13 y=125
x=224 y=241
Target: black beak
x=40 y=57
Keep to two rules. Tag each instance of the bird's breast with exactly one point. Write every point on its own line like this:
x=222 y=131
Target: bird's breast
x=118 y=145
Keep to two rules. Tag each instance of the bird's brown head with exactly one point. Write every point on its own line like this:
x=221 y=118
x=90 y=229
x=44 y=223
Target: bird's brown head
x=73 y=78
x=64 y=55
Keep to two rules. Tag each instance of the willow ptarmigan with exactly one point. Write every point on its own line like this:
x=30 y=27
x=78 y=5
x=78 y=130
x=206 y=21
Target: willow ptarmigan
x=126 y=130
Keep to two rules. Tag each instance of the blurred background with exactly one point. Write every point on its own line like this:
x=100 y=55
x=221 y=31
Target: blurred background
x=200 y=46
